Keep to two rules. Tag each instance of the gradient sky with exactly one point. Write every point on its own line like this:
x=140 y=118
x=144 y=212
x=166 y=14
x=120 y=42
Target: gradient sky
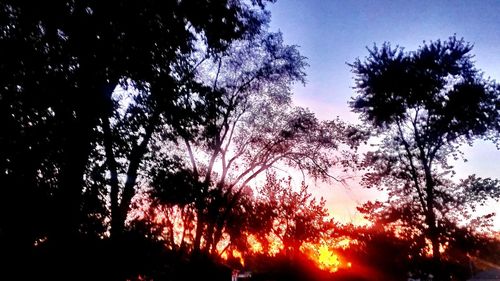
x=332 y=33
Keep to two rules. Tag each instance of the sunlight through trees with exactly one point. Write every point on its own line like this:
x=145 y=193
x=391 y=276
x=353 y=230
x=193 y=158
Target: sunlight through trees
x=149 y=140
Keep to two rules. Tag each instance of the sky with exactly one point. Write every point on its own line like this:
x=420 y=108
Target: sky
x=332 y=33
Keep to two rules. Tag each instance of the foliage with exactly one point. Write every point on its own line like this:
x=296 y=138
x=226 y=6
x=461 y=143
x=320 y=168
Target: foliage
x=132 y=133
x=423 y=105
x=289 y=217
x=250 y=127
x=68 y=145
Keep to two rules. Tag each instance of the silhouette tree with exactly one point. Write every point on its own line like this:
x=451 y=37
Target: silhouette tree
x=290 y=217
x=60 y=64
x=255 y=72
x=377 y=253
x=250 y=128
x=423 y=105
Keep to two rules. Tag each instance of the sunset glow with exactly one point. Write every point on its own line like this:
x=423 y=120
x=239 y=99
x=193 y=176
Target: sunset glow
x=325 y=257
x=255 y=246
x=237 y=254
x=322 y=254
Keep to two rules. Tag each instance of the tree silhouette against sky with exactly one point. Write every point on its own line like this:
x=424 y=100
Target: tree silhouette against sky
x=422 y=106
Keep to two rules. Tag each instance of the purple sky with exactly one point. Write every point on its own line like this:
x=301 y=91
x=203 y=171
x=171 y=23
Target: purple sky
x=331 y=33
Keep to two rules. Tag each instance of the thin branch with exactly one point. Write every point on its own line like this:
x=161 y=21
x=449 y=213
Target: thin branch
x=191 y=157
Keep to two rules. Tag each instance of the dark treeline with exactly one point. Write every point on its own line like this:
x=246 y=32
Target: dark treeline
x=147 y=140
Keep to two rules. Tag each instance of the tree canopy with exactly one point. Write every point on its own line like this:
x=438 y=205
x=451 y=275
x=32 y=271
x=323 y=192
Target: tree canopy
x=423 y=105
x=250 y=129
x=60 y=65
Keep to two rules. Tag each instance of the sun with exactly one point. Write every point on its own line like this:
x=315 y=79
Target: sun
x=325 y=257
x=328 y=260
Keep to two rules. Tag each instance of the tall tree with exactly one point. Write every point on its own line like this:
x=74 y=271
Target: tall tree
x=423 y=105
x=253 y=127
x=60 y=63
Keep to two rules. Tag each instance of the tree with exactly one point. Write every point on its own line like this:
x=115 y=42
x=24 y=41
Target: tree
x=60 y=64
x=423 y=106
x=377 y=252
x=253 y=127
x=289 y=216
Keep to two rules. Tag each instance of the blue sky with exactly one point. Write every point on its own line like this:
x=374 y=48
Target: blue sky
x=332 y=33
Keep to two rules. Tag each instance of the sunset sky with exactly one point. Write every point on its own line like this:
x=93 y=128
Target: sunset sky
x=331 y=33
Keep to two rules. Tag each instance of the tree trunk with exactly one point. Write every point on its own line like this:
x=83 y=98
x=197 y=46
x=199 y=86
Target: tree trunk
x=77 y=149
x=199 y=230
x=433 y=234
x=436 y=254
x=200 y=218
x=433 y=231
x=113 y=170
x=135 y=159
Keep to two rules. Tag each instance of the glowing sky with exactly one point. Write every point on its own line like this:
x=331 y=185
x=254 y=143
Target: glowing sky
x=331 y=33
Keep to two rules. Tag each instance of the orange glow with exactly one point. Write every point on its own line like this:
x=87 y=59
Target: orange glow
x=322 y=254
x=327 y=260
x=255 y=246
x=325 y=257
x=237 y=254
x=428 y=247
x=274 y=245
